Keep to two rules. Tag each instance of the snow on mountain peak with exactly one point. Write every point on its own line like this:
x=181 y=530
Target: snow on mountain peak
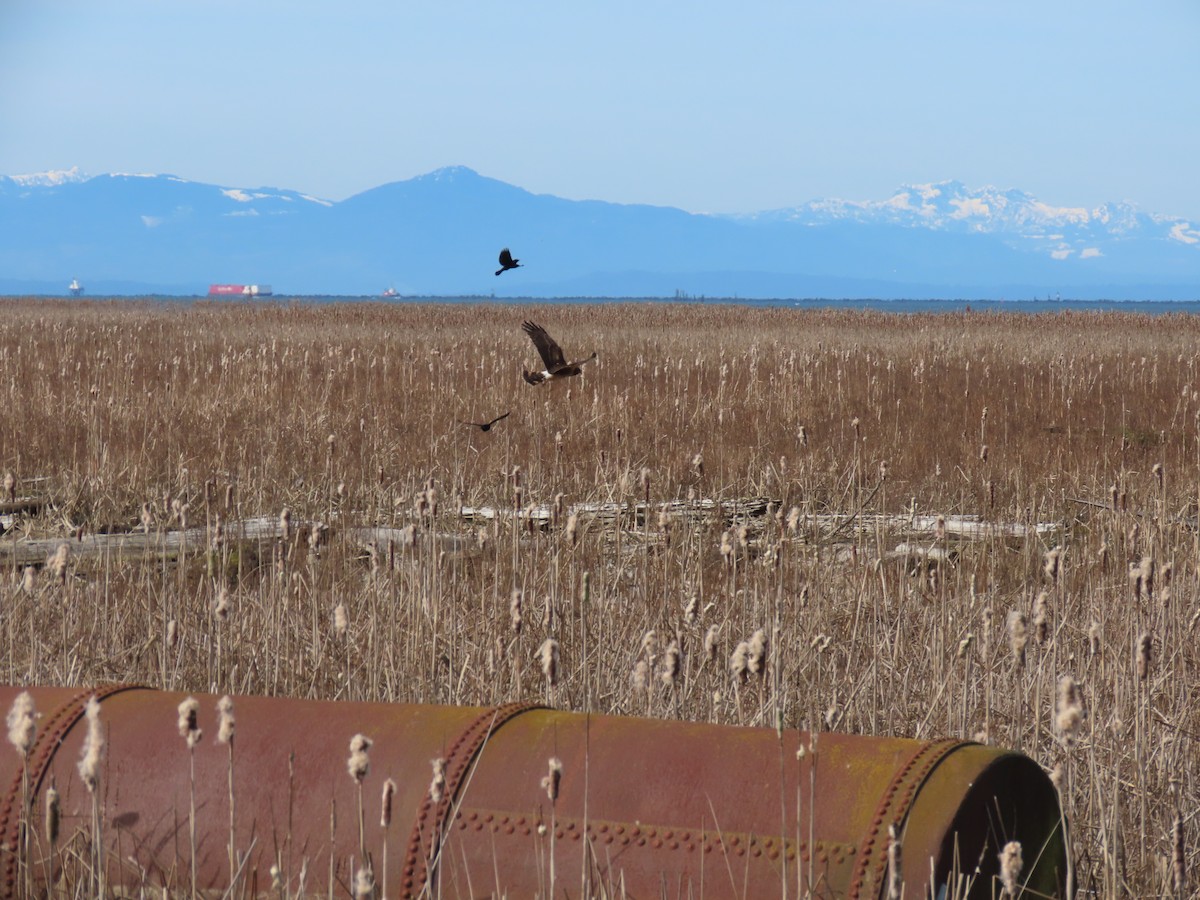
x=50 y=179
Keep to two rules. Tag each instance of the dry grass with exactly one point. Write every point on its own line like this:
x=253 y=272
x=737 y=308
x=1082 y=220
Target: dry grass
x=128 y=415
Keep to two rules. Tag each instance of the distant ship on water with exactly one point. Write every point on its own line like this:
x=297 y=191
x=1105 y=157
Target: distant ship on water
x=390 y=292
x=75 y=287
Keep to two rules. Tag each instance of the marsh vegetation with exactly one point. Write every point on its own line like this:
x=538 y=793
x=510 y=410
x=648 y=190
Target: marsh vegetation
x=982 y=526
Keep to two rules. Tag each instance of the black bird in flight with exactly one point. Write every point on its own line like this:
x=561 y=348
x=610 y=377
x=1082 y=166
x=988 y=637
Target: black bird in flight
x=487 y=426
x=552 y=355
x=507 y=262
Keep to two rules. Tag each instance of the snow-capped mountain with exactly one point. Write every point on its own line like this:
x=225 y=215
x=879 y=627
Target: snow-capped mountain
x=48 y=179
x=1058 y=231
x=439 y=234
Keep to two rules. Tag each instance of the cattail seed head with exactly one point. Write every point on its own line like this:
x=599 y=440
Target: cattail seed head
x=29 y=580
x=93 y=746
x=1144 y=646
x=225 y=721
x=1178 y=858
x=437 y=785
x=59 y=563
x=221 y=607
x=22 y=723
x=10 y=486
x=359 y=763
x=670 y=665
x=895 y=863
x=1018 y=636
x=756 y=658
x=553 y=777
x=739 y=663
x=514 y=610
x=1041 y=617
x=573 y=528
x=364 y=883
x=1011 y=864
x=710 y=642
x=1094 y=639
x=389 y=791
x=1069 y=717
x=189 y=728
x=340 y=622
x=1050 y=563
x=550 y=658
x=964 y=646
x=53 y=816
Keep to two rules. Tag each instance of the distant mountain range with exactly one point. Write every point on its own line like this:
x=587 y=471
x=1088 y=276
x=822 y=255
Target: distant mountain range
x=439 y=234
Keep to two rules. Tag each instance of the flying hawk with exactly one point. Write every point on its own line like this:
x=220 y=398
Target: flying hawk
x=507 y=262
x=552 y=355
x=487 y=426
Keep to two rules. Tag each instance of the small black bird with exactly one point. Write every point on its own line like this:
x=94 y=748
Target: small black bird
x=486 y=426
x=507 y=262
x=552 y=355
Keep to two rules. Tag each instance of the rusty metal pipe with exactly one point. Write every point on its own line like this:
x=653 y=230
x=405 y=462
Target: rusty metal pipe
x=643 y=807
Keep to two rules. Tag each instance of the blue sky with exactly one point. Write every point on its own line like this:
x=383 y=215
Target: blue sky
x=717 y=107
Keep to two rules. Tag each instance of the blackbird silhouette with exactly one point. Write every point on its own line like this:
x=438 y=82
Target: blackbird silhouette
x=487 y=426
x=507 y=262
x=552 y=355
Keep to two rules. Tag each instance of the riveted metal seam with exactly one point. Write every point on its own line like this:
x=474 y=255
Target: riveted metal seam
x=893 y=808
x=431 y=820
x=41 y=754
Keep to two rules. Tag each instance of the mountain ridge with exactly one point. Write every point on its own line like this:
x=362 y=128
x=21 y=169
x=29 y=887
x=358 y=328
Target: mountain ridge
x=438 y=234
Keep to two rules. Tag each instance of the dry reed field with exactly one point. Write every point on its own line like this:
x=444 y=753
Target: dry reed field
x=963 y=525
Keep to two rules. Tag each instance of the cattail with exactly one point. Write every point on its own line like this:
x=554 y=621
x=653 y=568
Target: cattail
x=573 y=528
x=1178 y=863
x=53 y=815
x=22 y=723
x=1157 y=471
x=640 y=677
x=285 y=524
x=1144 y=646
x=93 y=746
x=10 y=486
x=1050 y=563
x=437 y=785
x=389 y=791
x=1010 y=868
x=802 y=436
x=1069 y=718
x=172 y=634
x=514 y=610
x=59 y=563
x=189 y=729
x=1094 y=639
x=756 y=657
x=670 y=664
x=793 y=518
x=364 y=883
x=1018 y=636
x=1040 y=617
x=983 y=453
x=147 y=518
x=739 y=661
x=549 y=654
x=698 y=464
x=221 y=607
x=689 y=609
x=964 y=646
x=552 y=779
x=359 y=763
x=726 y=547
x=710 y=642
x=340 y=622
x=225 y=720
x=895 y=862
x=29 y=580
